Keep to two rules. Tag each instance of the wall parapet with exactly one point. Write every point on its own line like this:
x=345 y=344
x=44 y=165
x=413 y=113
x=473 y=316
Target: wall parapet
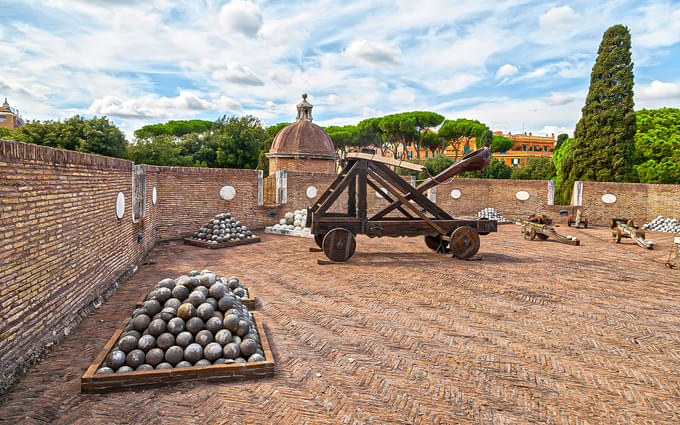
x=13 y=151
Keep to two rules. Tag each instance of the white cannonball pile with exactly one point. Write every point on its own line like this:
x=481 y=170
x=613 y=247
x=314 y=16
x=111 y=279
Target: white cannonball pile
x=292 y=221
x=662 y=224
x=195 y=320
x=491 y=214
x=223 y=228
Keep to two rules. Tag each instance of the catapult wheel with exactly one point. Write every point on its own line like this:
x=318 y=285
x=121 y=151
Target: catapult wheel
x=464 y=242
x=433 y=242
x=528 y=232
x=339 y=244
x=319 y=240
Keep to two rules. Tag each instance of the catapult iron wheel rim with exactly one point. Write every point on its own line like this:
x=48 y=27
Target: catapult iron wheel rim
x=528 y=232
x=339 y=244
x=319 y=240
x=464 y=242
x=433 y=242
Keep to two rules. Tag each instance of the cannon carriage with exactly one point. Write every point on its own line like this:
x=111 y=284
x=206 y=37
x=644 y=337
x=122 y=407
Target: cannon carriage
x=335 y=232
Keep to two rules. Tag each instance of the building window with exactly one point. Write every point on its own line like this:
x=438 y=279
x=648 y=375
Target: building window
x=410 y=154
x=2 y=118
x=427 y=154
x=515 y=162
x=524 y=147
x=466 y=149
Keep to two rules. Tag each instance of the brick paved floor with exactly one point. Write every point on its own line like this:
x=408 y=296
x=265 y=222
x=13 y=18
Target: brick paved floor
x=535 y=332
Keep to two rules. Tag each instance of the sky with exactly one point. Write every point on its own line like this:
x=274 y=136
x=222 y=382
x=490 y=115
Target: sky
x=515 y=65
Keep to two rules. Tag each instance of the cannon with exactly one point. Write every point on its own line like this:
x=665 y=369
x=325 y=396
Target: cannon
x=335 y=232
x=674 y=255
x=624 y=228
x=576 y=218
x=532 y=230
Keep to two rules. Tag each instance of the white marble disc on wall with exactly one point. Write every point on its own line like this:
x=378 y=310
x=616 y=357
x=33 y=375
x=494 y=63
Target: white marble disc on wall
x=608 y=198
x=120 y=205
x=456 y=193
x=522 y=195
x=311 y=192
x=227 y=193
x=154 y=195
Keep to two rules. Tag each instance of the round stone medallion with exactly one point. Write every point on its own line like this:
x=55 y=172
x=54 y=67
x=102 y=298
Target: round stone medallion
x=522 y=195
x=311 y=192
x=456 y=194
x=227 y=193
x=120 y=205
x=608 y=198
x=154 y=195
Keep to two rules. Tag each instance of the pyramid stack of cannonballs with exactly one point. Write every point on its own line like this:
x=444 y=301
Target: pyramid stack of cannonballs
x=195 y=320
x=663 y=224
x=491 y=214
x=223 y=228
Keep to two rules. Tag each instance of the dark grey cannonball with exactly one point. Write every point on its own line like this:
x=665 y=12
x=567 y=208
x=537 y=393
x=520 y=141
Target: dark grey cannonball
x=213 y=324
x=221 y=360
x=240 y=292
x=223 y=337
x=180 y=292
x=205 y=311
x=235 y=310
x=255 y=358
x=155 y=356
x=185 y=281
x=252 y=336
x=164 y=365
x=173 y=303
x=196 y=298
x=239 y=360
x=194 y=325
x=151 y=307
x=184 y=339
x=157 y=327
x=136 y=312
x=165 y=340
x=204 y=337
x=248 y=347
x=212 y=301
x=219 y=315
x=212 y=351
x=231 y=351
x=115 y=359
x=207 y=279
x=135 y=358
x=124 y=369
x=166 y=283
x=132 y=332
x=236 y=339
x=203 y=362
x=176 y=325
x=160 y=294
x=243 y=327
x=225 y=303
x=103 y=370
x=182 y=364
x=192 y=283
x=174 y=354
x=230 y=322
x=141 y=322
x=146 y=343
x=193 y=353
x=127 y=343
x=194 y=273
x=259 y=351
x=233 y=282
x=143 y=367
x=186 y=311
x=203 y=290
x=218 y=290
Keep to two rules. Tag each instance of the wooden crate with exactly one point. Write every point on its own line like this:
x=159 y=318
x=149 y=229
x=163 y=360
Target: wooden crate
x=250 y=302
x=196 y=242
x=108 y=382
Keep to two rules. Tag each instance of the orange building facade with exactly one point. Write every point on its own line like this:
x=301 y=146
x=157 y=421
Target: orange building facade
x=9 y=117
x=526 y=146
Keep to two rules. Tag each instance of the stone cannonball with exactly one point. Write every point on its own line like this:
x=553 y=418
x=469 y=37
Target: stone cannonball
x=236 y=340
x=135 y=358
x=176 y=325
x=151 y=307
x=219 y=315
x=146 y=343
x=103 y=370
x=164 y=365
x=256 y=358
x=166 y=314
x=234 y=282
x=174 y=354
x=248 y=347
x=182 y=364
x=236 y=311
x=203 y=362
x=160 y=294
x=223 y=337
x=180 y=292
x=124 y=369
x=213 y=324
x=193 y=353
x=205 y=311
x=225 y=303
x=166 y=283
x=173 y=303
x=207 y=279
x=243 y=328
x=184 y=339
x=115 y=359
x=157 y=327
x=194 y=325
x=186 y=311
x=204 y=337
x=141 y=322
x=221 y=360
x=132 y=332
x=196 y=298
x=155 y=356
x=212 y=301
x=212 y=351
x=252 y=335
x=185 y=281
x=192 y=283
x=239 y=360
x=217 y=290
x=165 y=340
x=203 y=290
x=143 y=367
x=240 y=292
x=231 y=351
x=231 y=322
x=127 y=343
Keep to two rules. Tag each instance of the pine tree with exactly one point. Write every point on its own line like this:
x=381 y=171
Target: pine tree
x=604 y=140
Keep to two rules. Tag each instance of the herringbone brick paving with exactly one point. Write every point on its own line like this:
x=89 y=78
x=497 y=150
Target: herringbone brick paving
x=535 y=332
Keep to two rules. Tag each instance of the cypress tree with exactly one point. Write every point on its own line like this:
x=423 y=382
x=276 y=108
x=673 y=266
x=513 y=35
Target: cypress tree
x=604 y=140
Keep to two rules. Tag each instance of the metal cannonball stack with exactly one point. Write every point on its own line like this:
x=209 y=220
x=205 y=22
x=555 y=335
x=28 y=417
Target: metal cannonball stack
x=195 y=320
x=223 y=228
x=491 y=214
x=295 y=221
x=663 y=224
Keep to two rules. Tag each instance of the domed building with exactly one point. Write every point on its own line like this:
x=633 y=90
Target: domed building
x=9 y=117
x=302 y=146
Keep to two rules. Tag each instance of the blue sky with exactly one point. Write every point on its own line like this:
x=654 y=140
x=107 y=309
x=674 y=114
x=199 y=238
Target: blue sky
x=515 y=65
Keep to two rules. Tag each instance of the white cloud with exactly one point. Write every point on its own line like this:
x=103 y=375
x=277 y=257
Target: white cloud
x=242 y=17
x=151 y=106
x=662 y=26
x=558 y=99
x=657 y=94
x=238 y=74
x=373 y=52
x=549 y=130
x=559 y=18
x=506 y=70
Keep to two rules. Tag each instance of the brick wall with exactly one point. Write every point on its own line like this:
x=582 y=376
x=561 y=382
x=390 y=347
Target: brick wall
x=326 y=166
